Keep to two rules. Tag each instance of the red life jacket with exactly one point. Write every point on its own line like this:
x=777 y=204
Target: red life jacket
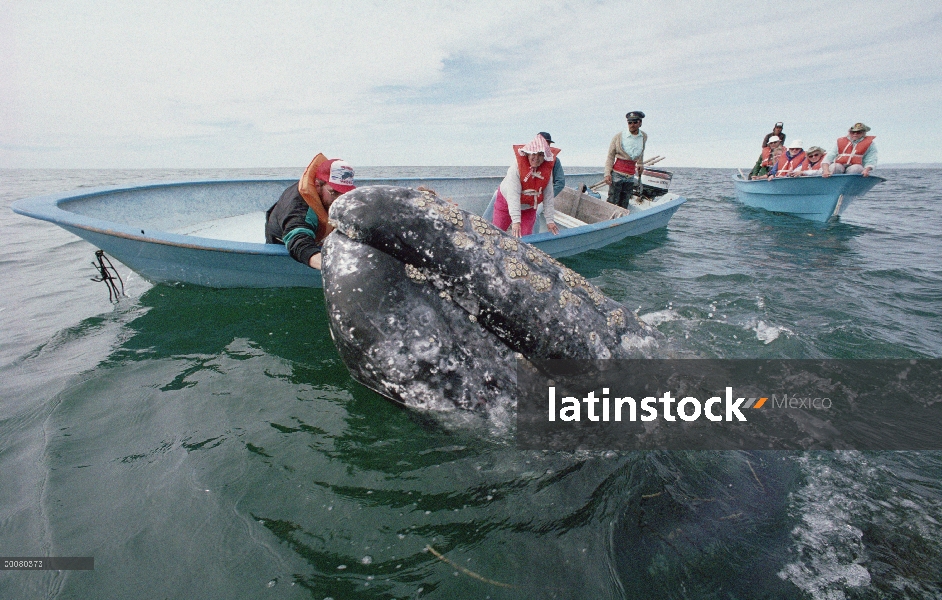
x=766 y=157
x=787 y=166
x=533 y=182
x=849 y=154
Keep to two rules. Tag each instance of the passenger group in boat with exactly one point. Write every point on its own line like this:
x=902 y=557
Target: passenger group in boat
x=854 y=153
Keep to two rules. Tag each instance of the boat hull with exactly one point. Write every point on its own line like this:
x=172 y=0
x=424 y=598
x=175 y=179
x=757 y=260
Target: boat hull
x=593 y=236
x=813 y=198
x=150 y=228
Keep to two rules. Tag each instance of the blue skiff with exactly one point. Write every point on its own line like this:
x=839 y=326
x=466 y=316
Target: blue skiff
x=211 y=233
x=814 y=198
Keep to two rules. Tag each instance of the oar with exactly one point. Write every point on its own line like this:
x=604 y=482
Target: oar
x=652 y=161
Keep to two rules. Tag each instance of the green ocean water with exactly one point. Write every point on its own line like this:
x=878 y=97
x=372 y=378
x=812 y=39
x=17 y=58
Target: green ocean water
x=210 y=443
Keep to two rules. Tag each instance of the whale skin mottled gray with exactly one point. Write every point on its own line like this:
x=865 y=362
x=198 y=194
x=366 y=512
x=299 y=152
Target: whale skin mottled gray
x=429 y=305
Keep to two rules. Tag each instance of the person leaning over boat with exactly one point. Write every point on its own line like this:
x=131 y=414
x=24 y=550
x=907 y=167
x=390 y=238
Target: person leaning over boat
x=813 y=160
x=790 y=161
x=625 y=160
x=529 y=181
x=854 y=154
x=559 y=179
x=777 y=132
x=299 y=218
x=770 y=154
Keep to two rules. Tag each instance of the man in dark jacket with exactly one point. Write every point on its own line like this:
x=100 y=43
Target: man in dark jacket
x=776 y=131
x=299 y=218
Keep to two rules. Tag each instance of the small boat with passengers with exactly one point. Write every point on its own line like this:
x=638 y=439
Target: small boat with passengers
x=815 y=198
x=212 y=233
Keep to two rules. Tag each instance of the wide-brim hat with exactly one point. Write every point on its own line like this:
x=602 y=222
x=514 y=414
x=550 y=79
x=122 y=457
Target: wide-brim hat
x=815 y=149
x=860 y=127
x=794 y=144
x=774 y=138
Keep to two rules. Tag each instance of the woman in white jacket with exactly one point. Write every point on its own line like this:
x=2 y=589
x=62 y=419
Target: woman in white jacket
x=529 y=182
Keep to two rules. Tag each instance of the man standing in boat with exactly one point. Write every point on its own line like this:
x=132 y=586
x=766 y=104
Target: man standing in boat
x=625 y=160
x=777 y=132
x=299 y=218
x=854 y=154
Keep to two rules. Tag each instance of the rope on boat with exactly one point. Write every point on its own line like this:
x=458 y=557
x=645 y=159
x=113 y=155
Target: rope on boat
x=108 y=274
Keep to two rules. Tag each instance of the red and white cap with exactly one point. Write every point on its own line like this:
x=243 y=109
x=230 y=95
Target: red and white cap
x=338 y=174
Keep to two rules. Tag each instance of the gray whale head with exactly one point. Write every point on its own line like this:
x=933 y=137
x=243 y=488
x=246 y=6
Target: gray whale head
x=429 y=305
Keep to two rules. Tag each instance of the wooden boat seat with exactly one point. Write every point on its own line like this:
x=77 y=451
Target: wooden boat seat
x=564 y=220
x=583 y=209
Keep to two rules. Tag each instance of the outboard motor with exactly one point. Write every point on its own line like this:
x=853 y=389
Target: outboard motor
x=654 y=182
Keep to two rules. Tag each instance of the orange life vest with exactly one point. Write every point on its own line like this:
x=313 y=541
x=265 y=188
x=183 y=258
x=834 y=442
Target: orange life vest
x=849 y=154
x=533 y=182
x=811 y=166
x=787 y=166
x=308 y=191
x=766 y=157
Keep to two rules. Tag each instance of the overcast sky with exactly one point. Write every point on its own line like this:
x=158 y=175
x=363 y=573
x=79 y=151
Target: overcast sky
x=97 y=84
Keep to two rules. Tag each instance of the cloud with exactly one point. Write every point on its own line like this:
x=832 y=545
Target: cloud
x=99 y=84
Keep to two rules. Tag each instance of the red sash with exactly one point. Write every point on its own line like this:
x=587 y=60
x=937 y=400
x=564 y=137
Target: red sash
x=624 y=167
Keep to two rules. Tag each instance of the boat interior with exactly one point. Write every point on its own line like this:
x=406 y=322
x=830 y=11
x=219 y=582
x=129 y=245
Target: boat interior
x=575 y=208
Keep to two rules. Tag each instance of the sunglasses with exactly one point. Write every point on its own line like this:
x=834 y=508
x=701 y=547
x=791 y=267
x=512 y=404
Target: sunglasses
x=634 y=120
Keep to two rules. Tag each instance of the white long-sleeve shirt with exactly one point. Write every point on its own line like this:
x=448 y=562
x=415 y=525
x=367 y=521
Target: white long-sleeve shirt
x=510 y=189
